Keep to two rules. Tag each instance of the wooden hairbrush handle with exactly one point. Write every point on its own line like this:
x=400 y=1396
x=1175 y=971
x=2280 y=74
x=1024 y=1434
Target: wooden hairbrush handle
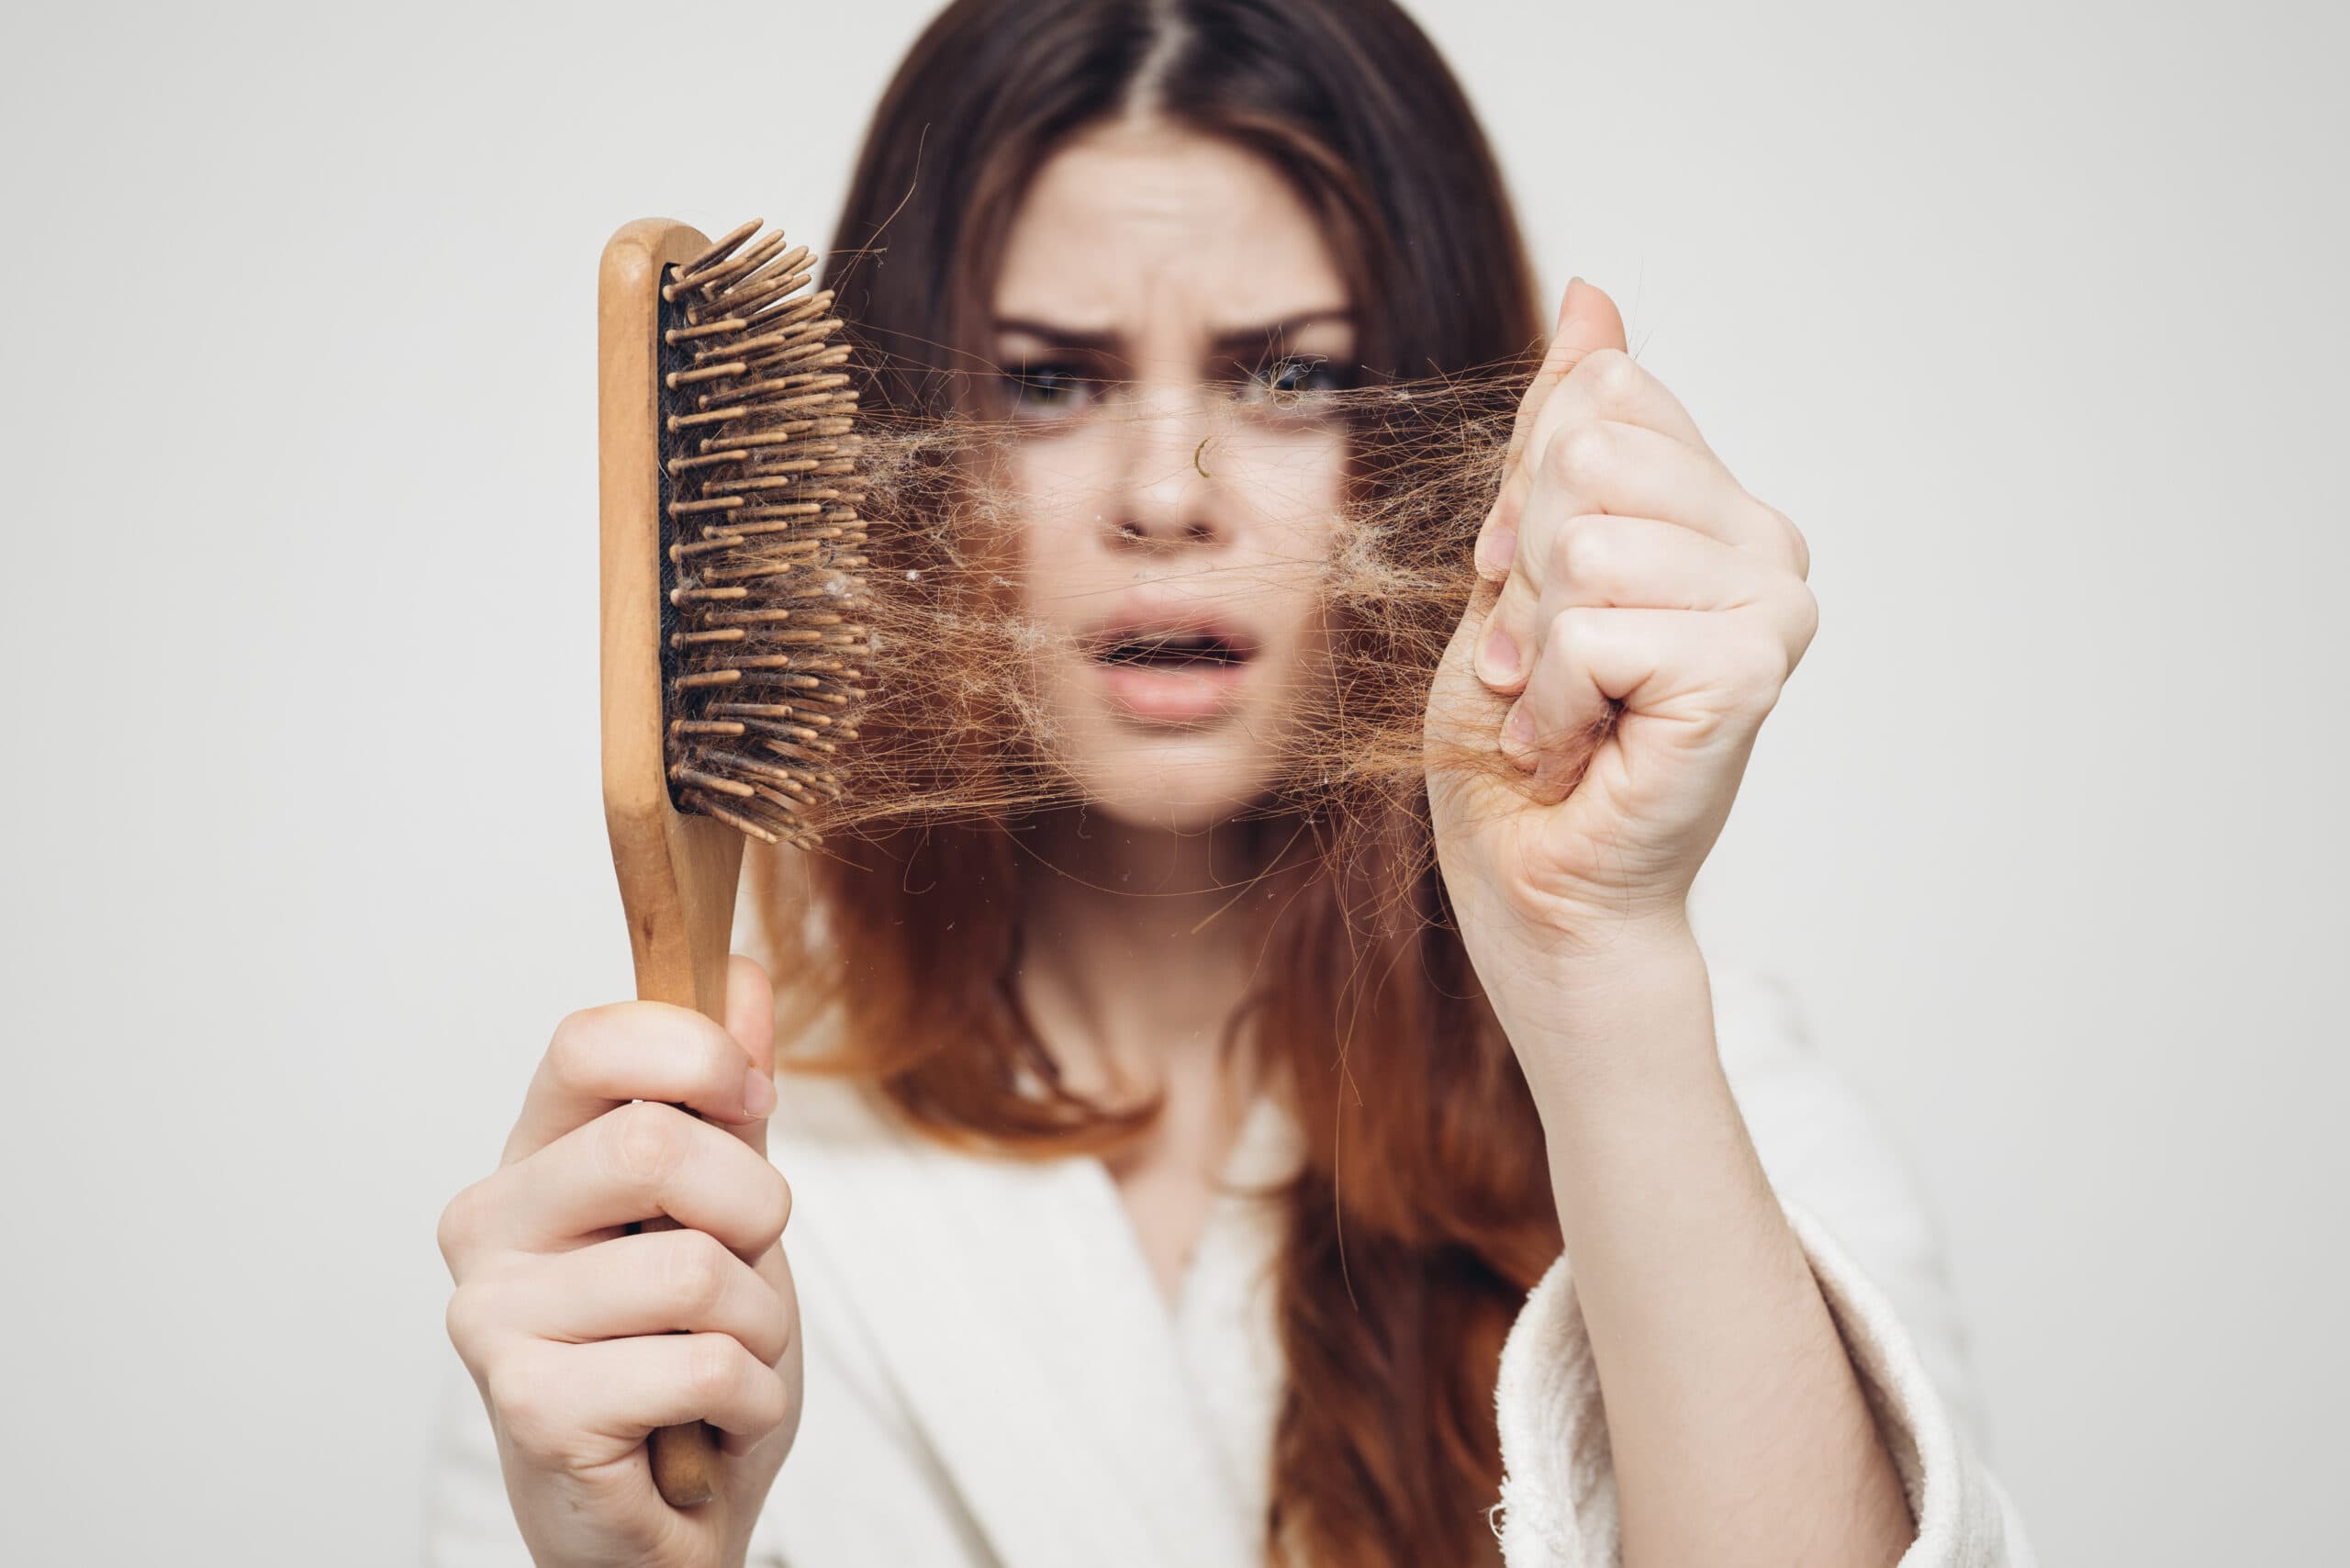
x=689 y=973
x=677 y=871
x=680 y=919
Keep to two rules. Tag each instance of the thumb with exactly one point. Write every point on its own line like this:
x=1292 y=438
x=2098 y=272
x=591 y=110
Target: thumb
x=1588 y=322
x=750 y=1018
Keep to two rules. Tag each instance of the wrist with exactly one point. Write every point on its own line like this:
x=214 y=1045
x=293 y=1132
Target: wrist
x=1587 y=978
x=1631 y=1005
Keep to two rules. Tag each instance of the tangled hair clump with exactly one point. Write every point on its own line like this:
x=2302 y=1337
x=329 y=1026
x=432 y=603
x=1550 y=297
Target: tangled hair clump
x=954 y=652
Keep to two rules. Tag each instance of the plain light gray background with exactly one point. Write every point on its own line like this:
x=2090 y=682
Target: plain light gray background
x=2031 y=316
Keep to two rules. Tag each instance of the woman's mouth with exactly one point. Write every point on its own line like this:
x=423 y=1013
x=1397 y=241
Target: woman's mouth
x=1173 y=675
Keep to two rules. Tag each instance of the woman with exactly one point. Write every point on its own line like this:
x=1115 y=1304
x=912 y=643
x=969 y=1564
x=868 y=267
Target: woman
x=1192 y=1155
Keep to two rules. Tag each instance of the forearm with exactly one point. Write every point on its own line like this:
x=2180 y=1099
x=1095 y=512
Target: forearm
x=1737 y=1425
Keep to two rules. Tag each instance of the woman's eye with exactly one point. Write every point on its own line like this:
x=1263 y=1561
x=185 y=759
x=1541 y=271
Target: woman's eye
x=1291 y=377
x=1046 y=387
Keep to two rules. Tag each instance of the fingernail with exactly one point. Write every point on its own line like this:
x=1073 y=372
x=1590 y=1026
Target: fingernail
x=1566 y=294
x=758 y=1094
x=1519 y=729
x=1498 y=551
x=1497 y=659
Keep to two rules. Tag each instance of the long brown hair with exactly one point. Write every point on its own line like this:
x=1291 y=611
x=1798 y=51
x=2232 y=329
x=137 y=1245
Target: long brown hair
x=1404 y=1263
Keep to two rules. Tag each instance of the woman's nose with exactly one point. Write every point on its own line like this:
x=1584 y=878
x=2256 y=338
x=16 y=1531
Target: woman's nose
x=1167 y=493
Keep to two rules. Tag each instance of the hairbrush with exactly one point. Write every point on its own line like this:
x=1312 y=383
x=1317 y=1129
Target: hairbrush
x=733 y=649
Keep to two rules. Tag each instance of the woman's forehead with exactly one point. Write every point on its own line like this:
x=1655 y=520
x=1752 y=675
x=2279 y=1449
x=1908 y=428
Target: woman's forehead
x=1153 y=221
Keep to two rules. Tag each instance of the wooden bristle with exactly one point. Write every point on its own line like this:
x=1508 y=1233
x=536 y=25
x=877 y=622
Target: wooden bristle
x=763 y=539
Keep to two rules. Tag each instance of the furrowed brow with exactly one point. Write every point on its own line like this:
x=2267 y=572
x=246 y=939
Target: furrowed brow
x=1241 y=340
x=1059 y=337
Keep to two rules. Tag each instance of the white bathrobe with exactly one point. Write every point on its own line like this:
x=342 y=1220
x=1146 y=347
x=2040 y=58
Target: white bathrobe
x=994 y=1380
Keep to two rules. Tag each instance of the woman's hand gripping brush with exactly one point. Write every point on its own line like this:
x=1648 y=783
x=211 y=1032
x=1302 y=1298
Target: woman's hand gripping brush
x=585 y=1337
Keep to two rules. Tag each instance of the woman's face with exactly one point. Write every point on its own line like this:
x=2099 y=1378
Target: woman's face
x=1169 y=323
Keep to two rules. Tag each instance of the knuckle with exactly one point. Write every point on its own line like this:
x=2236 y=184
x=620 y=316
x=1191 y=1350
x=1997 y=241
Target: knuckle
x=1797 y=545
x=771 y=1400
x=1579 y=453
x=697 y=1269
x=778 y=1214
x=713 y=1366
x=644 y=1143
x=1806 y=617
x=468 y=1320
x=1799 y=549
x=460 y=1228
x=1584 y=549
x=777 y=1327
x=1613 y=375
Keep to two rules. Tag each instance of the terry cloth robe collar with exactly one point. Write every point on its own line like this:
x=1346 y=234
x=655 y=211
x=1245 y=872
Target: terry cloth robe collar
x=1019 y=1326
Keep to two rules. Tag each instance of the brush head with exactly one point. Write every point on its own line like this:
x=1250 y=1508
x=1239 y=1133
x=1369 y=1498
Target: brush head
x=763 y=644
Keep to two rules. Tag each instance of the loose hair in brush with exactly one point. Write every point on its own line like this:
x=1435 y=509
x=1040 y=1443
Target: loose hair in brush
x=761 y=646
x=1385 y=1453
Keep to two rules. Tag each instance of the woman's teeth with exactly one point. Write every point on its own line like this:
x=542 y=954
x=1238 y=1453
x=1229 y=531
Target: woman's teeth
x=1174 y=653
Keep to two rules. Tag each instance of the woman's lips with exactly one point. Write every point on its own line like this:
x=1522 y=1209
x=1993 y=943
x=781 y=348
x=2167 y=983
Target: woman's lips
x=1162 y=660
x=1162 y=694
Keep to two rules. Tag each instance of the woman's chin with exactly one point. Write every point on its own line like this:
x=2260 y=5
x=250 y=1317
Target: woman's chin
x=1165 y=789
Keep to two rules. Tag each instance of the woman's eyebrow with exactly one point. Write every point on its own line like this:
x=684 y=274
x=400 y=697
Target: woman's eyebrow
x=1245 y=338
x=1059 y=337
x=1226 y=338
